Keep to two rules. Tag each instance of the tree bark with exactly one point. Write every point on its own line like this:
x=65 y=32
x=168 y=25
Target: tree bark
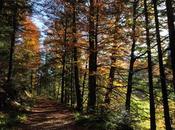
x=92 y=61
x=64 y=64
x=171 y=29
x=72 y=82
x=131 y=66
x=84 y=80
x=9 y=90
x=79 y=106
x=162 y=71
x=150 y=75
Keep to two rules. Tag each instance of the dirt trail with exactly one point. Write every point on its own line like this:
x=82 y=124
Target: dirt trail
x=49 y=115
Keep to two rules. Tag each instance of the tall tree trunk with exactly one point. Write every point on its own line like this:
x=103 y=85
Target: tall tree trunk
x=111 y=79
x=92 y=61
x=63 y=79
x=131 y=66
x=9 y=89
x=150 y=75
x=79 y=106
x=72 y=82
x=162 y=71
x=171 y=28
x=64 y=64
x=96 y=33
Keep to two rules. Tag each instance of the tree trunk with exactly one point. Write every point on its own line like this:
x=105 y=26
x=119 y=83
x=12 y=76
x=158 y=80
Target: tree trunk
x=131 y=67
x=162 y=71
x=63 y=79
x=111 y=79
x=79 y=106
x=171 y=29
x=96 y=34
x=92 y=61
x=84 y=80
x=71 y=81
x=65 y=95
x=64 y=64
x=150 y=75
x=10 y=91
x=31 y=81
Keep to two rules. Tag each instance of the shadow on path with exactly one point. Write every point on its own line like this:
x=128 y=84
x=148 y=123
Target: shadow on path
x=49 y=115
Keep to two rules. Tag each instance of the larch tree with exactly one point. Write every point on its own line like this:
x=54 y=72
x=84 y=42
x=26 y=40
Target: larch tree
x=162 y=71
x=27 y=56
x=132 y=60
x=75 y=51
x=64 y=62
x=150 y=70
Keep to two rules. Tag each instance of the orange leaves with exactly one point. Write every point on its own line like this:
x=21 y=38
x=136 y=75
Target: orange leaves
x=27 y=53
x=30 y=29
x=103 y=70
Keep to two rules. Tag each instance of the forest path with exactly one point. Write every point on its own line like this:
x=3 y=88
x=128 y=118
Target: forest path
x=49 y=115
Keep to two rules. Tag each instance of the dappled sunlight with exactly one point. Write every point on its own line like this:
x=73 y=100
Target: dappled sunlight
x=87 y=65
x=48 y=114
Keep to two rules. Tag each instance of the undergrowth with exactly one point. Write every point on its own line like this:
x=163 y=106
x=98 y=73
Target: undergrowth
x=104 y=120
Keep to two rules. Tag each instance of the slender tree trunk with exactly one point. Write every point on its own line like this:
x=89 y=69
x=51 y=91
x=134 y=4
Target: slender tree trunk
x=92 y=61
x=150 y=75
x=111 y=79
x=31 y=81
x=79 y=106
x=96 y=34
x=171 y=28
x=68 y=95
x=63 y=80
x=65 y=95
x=58 y=92
x=12 y=45
x=162 y=71
x=84 y=81
x=71 y=80
x=131 y=66
x=66 y=88
x=39 y=86
x=64 y=64
x=9 y=77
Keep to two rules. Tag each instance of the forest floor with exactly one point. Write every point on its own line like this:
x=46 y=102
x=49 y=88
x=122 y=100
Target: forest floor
x=49 y=115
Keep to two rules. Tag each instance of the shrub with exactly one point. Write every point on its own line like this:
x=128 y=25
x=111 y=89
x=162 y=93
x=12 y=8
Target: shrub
x=105 y=120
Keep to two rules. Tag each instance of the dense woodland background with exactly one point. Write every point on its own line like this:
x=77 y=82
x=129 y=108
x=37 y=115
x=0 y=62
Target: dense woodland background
x=113 y=61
